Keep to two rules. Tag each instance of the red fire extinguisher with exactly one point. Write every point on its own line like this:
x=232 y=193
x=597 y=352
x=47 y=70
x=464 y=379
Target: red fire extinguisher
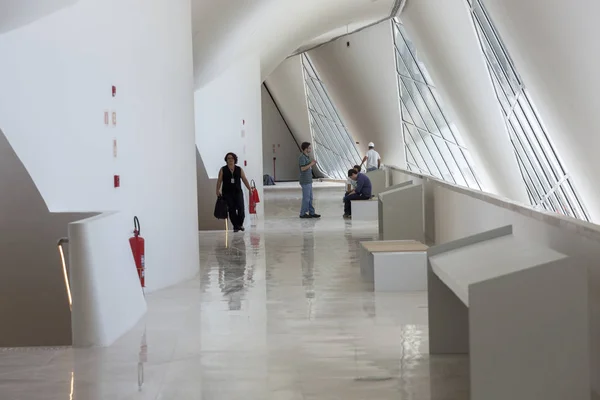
x=138 y=249
x=253 y=198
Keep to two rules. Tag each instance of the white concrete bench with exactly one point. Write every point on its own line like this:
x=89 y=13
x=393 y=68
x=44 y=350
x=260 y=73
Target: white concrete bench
x=365 y=210
x=519 y=309
x=395 y=265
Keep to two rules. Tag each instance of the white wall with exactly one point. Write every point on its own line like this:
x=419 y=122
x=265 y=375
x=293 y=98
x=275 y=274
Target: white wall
x=35 y=307
x=225 y=107
x=361 y=81
x=278 y=143
x=16 y=13
x=107 y=297
x=453 y=57
x=554 y=46
x=286 y=84
x=56 y=76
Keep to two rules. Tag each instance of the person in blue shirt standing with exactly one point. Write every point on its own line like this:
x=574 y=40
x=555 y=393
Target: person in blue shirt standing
x=306 y=164
x=361 y=192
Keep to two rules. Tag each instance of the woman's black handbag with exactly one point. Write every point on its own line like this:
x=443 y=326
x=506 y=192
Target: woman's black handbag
x=221 y=209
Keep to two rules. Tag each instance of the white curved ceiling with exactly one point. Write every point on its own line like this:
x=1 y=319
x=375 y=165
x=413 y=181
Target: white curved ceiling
x=16 y=13
x=228 y=30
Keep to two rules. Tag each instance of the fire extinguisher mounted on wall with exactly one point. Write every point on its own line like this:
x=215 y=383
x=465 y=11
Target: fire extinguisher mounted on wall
x=137 y=244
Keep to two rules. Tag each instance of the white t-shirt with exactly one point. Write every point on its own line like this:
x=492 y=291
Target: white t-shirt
x=351 y=182
x=372 y=158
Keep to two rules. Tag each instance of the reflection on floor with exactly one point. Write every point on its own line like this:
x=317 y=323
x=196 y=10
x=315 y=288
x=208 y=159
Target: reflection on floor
x=277 y=314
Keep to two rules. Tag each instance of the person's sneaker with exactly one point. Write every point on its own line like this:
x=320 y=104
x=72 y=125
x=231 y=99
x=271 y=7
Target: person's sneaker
x=242 y=228
x=347 y=216
x=236 y=229
x=315 y=216
x=305 y=216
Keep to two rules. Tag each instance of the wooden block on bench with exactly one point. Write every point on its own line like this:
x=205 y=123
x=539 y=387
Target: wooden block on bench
x=394 y=265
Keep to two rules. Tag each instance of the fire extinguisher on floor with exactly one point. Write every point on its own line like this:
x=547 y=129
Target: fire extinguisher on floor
x=138 y=250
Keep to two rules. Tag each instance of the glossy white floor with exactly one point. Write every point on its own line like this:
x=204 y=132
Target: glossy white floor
x=276 y=314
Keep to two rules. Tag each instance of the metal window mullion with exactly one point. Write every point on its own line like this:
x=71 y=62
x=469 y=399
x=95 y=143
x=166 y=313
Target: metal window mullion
x=425 y=143
x=543 y=129
x=439 y=130
x=407 y=131
x=326 y=108
x=575 y=196
x=494 y=76
x=464 y=153
x=551 y=158
x=517 y=139
x=335 y=140
x=438 y=136
x=484 y=37
x=404 y=103
x=326 y=133
x=411 y=152
x=408 y=69
x=329 y=121
x=322 y=152
x=501 y=46
x=516 y=143
x=323 y=116
x=511 y=110
x=320 y=102
x=554 y=188
x=435 y=162
x=527 y=180
x=414 y=149
x=533 y=150
x=327 y=103
x=499 y=40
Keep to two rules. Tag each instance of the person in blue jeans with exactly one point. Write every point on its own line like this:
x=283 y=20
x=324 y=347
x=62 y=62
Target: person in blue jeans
x=362 y=191
x=306 y=164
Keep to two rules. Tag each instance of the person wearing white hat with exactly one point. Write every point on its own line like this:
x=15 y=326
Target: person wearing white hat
x=373 y=159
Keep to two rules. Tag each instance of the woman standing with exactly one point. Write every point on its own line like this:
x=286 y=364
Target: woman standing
x=231 y=177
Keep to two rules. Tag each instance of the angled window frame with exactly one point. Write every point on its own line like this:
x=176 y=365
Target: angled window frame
x=333 y=144
x=433 y=145
x=549 y=186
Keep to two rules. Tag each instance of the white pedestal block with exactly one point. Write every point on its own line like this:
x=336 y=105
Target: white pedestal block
x=519 y=309
x=394 y=266
x=365 y=210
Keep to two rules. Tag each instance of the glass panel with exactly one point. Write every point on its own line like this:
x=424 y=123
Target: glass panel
x=432 y=143
x=334 y=147
x=540 y=165
x=412 y=148
x=408 y=102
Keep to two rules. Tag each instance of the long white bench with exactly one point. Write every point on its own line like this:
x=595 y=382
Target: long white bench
x=365 y=210
x=519 y=309
x=394 y=266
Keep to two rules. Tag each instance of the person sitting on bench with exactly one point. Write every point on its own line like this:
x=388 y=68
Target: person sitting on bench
x=361 y=192
x=351 y=184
